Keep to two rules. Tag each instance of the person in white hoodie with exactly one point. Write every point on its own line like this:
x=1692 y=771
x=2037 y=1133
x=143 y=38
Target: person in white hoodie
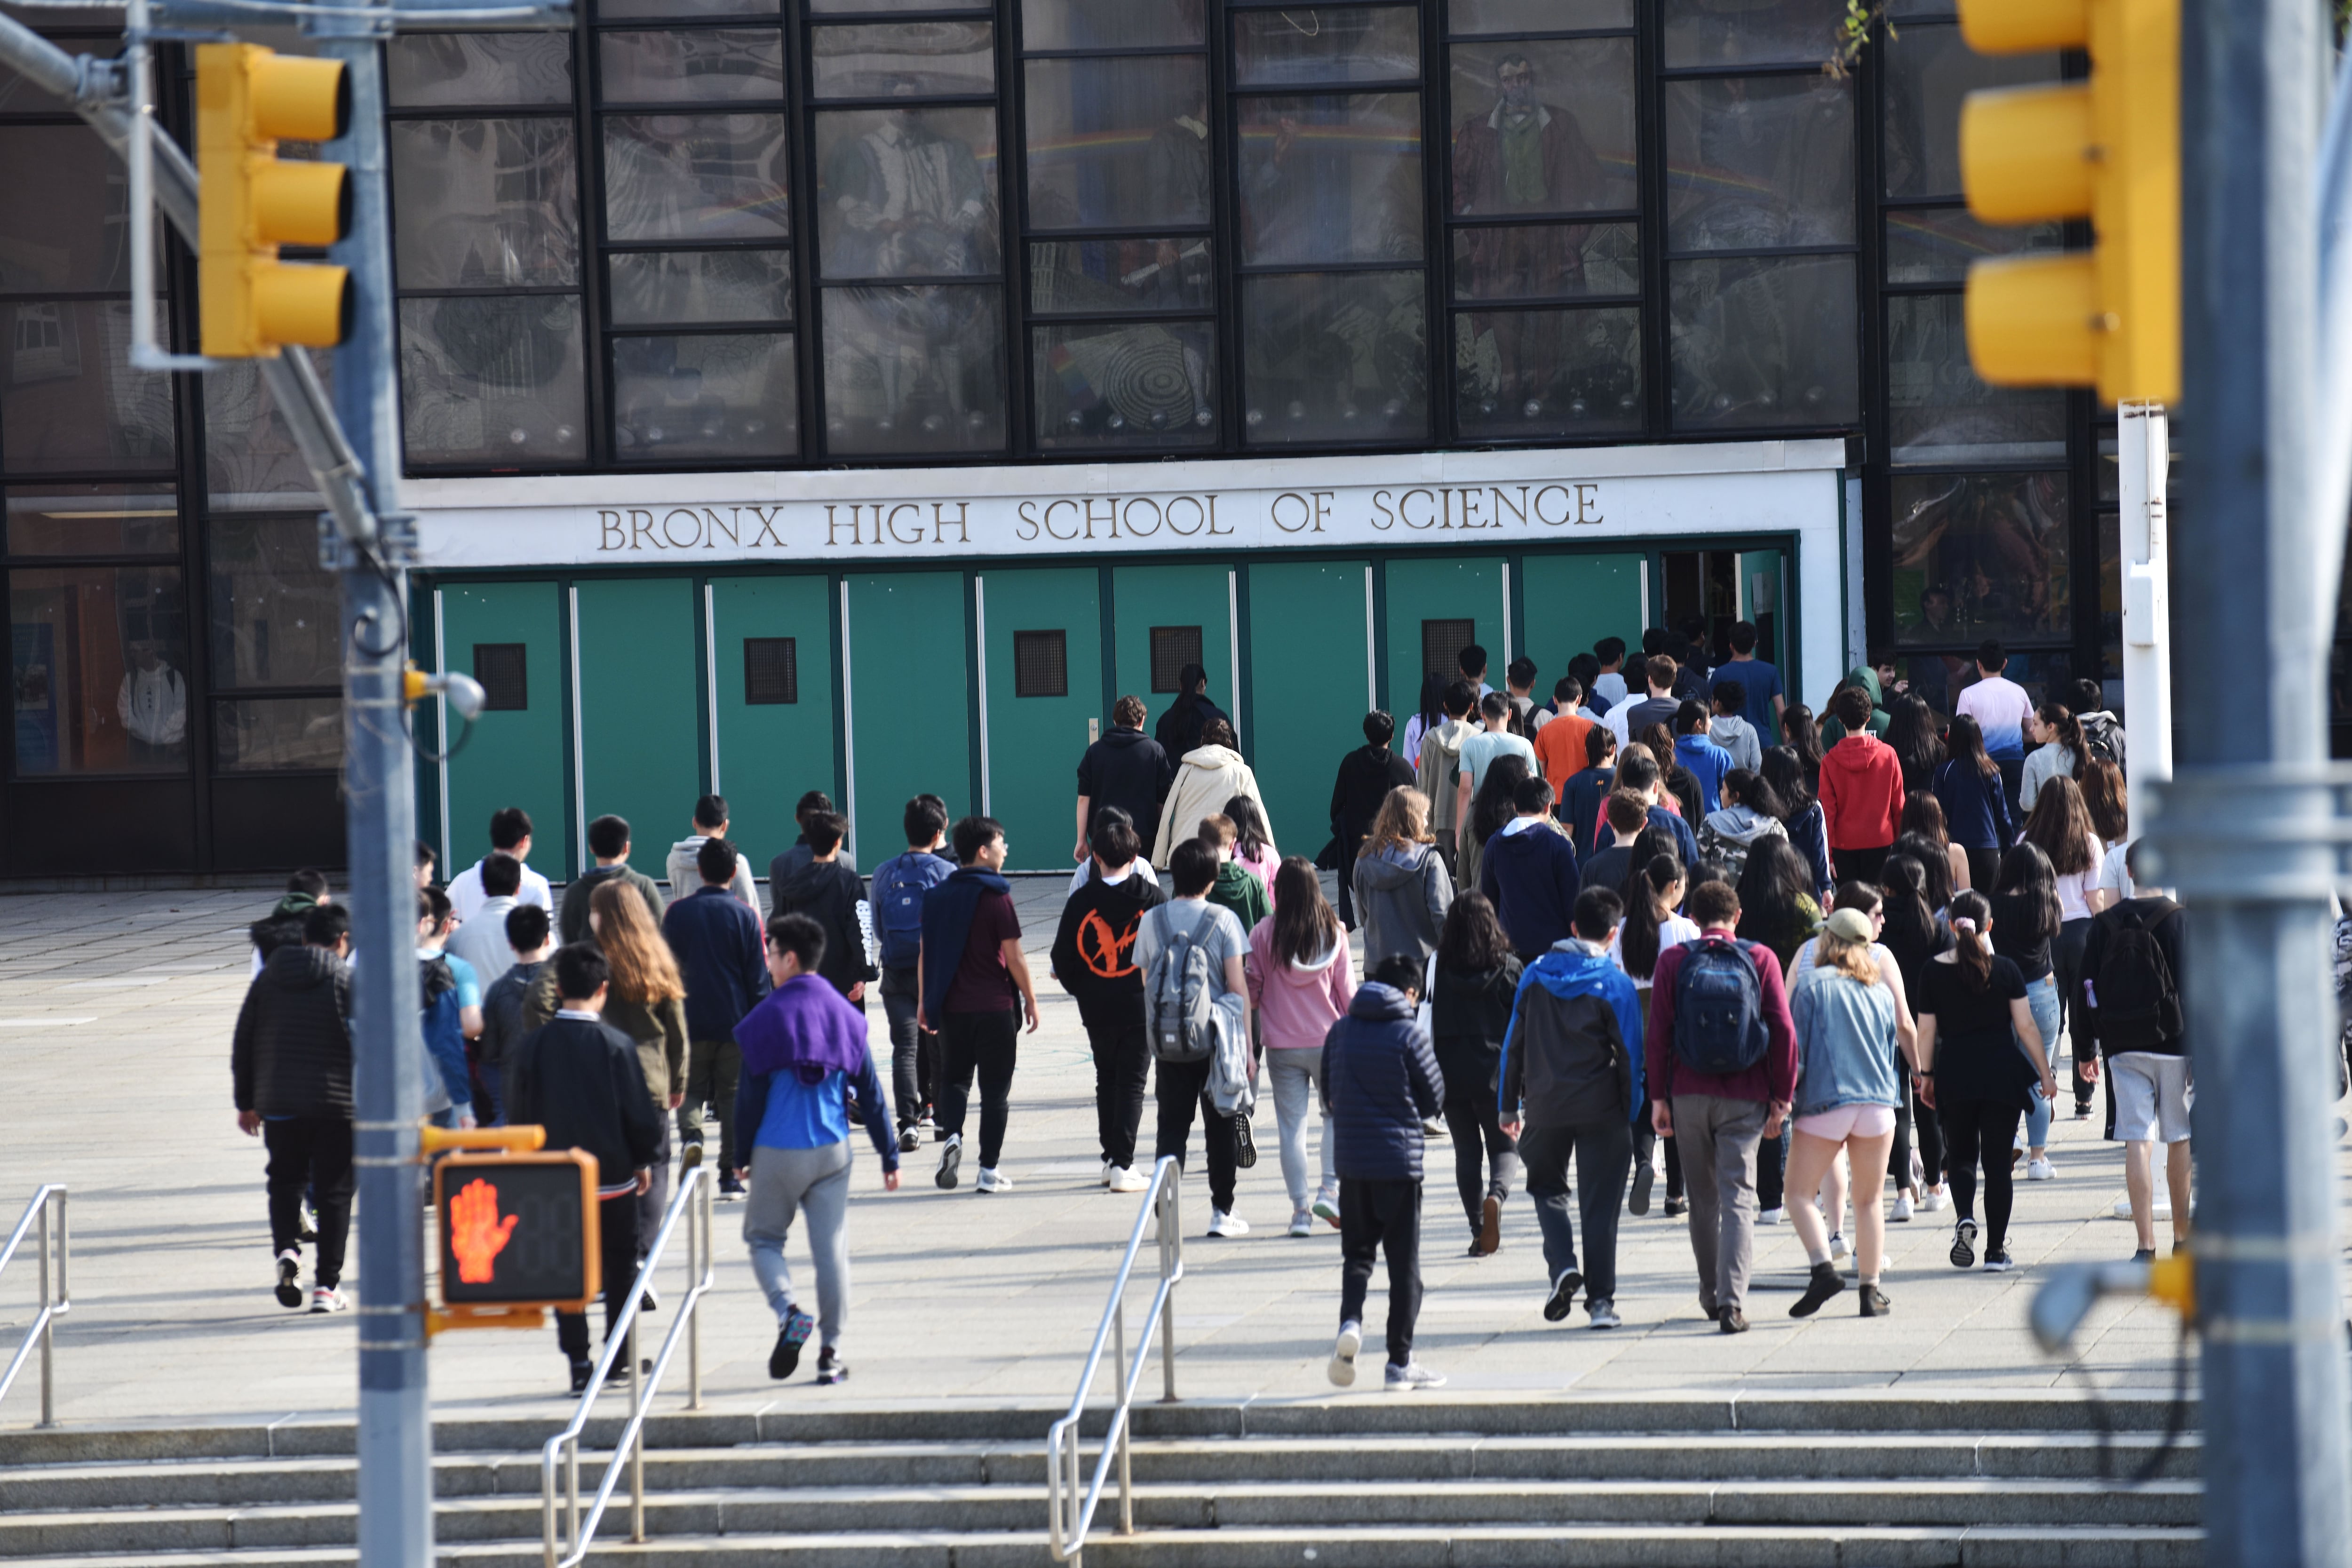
x=1299 y=986
x=1734 y=733
x=1206 y=778
x=685 y=877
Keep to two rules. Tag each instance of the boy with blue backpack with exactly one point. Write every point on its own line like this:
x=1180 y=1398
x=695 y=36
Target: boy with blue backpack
x=896 y=895
x=1720 y=1062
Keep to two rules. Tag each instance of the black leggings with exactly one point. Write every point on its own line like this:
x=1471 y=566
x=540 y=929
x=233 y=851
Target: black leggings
x=1981 y=1129
x=2067 y=955
x=1645 y=1138
x=1478 y=1145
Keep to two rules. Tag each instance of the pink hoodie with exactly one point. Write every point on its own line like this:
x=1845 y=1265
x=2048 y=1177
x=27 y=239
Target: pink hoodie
x=1297 y=1003
x=1265 y=865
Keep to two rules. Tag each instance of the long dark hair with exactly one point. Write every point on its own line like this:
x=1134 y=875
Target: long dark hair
x=1305 y=929
x=1252 y=837
x=1472 y=941
x=2104 y=799
x=2060 y=826
x=1935 y=859
x=1923 y=814
x=2061 y=718
x=1975 y=961
x=1910 y=917
x=1804 y=733
x=1912 y=732
x=1648 y=844
x=1784 y=770
x=1646 y=910
x=1741 y=787
x=1492 y=805
x=2025 y=875
x=1772 y=885
x=1433 y=700
x=1964 y=743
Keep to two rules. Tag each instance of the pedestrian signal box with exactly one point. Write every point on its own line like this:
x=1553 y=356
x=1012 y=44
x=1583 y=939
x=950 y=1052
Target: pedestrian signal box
x=519 y=1232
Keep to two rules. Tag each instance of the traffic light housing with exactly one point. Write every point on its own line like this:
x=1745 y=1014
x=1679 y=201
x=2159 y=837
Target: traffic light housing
x=252 y=201
x=520 y=1232
x=2107 y=149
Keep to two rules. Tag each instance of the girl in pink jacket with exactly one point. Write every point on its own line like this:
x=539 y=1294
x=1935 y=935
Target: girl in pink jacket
x=1299 y=986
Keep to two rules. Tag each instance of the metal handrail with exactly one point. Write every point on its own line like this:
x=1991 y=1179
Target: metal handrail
x=1070 y=1514
x=696 y=1186
x=53 y=1307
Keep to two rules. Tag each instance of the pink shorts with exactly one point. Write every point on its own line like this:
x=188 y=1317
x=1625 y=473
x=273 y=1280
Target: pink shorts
x=1841 y=1122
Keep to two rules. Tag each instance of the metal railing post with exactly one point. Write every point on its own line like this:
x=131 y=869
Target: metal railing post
x=48 y=1327
x=637 y=1438
x=1171 y=1252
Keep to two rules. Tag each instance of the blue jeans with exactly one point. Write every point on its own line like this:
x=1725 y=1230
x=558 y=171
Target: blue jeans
x=2042 y=1000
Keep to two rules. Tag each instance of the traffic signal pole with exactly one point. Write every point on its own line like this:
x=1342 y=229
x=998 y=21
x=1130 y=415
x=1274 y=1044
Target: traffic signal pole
x=2251 y=845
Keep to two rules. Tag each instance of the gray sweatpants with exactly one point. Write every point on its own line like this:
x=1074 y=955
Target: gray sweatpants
x=1717 y=1139
x=785 y=1182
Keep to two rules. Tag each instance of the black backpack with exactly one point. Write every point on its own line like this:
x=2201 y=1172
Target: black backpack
x=1719 y=1009
x=2135 y=998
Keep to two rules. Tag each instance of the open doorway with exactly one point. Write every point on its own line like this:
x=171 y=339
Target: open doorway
x=1708 y=591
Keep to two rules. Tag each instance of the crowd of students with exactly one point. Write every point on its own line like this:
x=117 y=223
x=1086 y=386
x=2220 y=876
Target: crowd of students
x=1677 y=929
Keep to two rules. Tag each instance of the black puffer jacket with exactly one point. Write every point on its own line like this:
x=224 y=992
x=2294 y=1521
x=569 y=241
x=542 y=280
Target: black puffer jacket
x=829 y=893
x=1469 y=1014
x=292 y=1054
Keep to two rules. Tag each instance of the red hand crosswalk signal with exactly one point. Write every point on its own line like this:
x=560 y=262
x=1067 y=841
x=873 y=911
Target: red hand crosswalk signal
x=252 y=201
x=519 y=1232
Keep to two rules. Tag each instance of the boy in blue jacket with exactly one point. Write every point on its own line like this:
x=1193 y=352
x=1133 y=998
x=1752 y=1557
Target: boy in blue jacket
x=1572 y=1086
x=1380 y=1083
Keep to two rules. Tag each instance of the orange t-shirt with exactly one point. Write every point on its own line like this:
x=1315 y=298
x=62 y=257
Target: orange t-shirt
x=1559 y=747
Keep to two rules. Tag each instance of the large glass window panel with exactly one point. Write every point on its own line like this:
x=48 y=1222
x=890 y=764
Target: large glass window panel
x=2111 y=586
x=62 y=225
x=696 y=176
x=1758 y=160
x=1543 y=127
x=1332 y=179
x=472 y=70
x=726 y=396
x=1928 y=70
x=856 y=7
x=1297 y=47
x=1775 y=32
x=1109 y=23
x=1548 y=372
x=686 y=286
x=1148 y=384
x=1939 y=412
x=97 y=662
x=706 y=65
x=1936 y=244
x=256 y=735
x=1981 y=555
x=70 y=399
x=276 y=617
x=1764 y=342
x=1119 y=142
x=1536 y=15
x=1068 y=277
x=1536 y=261
x=914 y=369
x=250 y=457
x=492 y=382
x=1338 y=357
x=904 y=59
x=907 y=193
x=680 y=10
x=485 y=203
x=121 y=519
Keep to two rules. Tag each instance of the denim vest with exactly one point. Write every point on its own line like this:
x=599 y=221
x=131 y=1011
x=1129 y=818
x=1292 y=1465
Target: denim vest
x=1845 y=1044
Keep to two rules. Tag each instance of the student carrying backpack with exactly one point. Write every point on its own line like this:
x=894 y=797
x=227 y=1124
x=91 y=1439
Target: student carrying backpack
x=895 y=900
x=1196 y=1023
x=1719 y=1006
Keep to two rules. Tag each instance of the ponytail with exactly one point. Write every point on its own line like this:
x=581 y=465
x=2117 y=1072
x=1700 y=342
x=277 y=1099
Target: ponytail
x=1637 y=939
x=2061 y=718
x=1971 y=921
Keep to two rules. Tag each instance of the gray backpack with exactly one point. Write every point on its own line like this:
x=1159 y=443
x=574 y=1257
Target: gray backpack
x=1180 y=993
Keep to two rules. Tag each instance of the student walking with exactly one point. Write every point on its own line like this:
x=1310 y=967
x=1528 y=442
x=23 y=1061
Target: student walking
x=1093 y=958
x=2058 y=751
x=1528 y=873
x=1254 y=849
x=685 y=863
x=1777 y=910
x=578 y=1077
x=1865 y=900
x=1923 y=819
x=2026 y=914
x=803 y=1051
x=801 y=852
x=1915 y=934
x=1480 y=752
x=1720 y=1069
x=1380 y=1083
x=2132 y=1010
x=1184 y=728
x=1299 y=986
x=1750 y=812
x=1765 y=697
x=901 y=884
x=306 y=889
x=1559 y=742
x=1800 y=814
x=1583 y=792
x=1209 y=775
x=1571 y=1088
x=1697 y=751
x=1861 y=791
x=1366 y=777
x=531 y=941
x=1727 y=728
x=1403 y=888
x=2000 y=708
x=1192 y=953
x=480 y=941
x=608 y=841
x=2060 y=826
x=975 y=993
x=716 y=941
x=1489 y=810
x=834 y=895
x=449 y=1012
x=1437 y=770
x=290 y=1067
x=510 y=835
x=1972 y=1016
x=1647 y=926
x=1623 y=821
x=1126 y=769
x=1476 y=976
x=1237 y=887
x=1976 y=807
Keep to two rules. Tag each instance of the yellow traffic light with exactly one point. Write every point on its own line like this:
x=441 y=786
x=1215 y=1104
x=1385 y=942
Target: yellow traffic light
x=2109 y=150
x=252 y=201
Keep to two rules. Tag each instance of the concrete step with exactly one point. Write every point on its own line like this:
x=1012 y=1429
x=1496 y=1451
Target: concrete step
x=1296 y=1505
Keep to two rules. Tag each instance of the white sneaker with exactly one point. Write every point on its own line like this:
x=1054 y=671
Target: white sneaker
x=991 y=1182
x=1126 y=1179
x=1411 y=1376
x=1935 y=1201
x=2040 y=1170
x=327 y=1298
x=1109 y=1171
x=1303 y=1223
x=1223 y=1224
x=1838 y=1249
x=1435 y=1127
x=1343 y=1354
x=1772 y=1216
x=1902 y=1210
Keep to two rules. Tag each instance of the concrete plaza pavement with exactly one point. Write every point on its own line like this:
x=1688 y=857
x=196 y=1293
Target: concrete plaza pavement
x=115 y=1015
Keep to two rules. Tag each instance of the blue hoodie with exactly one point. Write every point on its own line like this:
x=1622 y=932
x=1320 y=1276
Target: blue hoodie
x=946 y=928
x=1550 y=1053
x=1707 y=763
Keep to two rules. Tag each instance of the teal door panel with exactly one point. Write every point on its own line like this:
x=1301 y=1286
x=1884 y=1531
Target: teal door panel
x=1032 y=744
x=1572 y=602
x=515 y=755
x=911 y=722
x=1180 y=599
x=641 y=754
x=772 y=751
x=1306 y=615
x=1430 y=588
x=1762 y=579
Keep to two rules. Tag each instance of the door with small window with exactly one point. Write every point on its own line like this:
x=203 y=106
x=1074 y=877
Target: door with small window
x=509 y=637
x=1041 y=691
x=768 y=644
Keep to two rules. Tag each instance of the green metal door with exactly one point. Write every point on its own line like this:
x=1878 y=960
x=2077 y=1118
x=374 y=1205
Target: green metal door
x=509 y=637
x=1310 y=661
x=1571 y=601
x=640 y=701
x=1763 y=579
x=770 y=643
x=1177 y=609
x=1435 y=604
x=909 y=703
x=1042 y=649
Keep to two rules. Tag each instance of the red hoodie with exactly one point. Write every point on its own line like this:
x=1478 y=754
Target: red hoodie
x=1861 y=793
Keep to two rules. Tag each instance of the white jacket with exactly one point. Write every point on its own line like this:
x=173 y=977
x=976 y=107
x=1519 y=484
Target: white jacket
x=1206 y=779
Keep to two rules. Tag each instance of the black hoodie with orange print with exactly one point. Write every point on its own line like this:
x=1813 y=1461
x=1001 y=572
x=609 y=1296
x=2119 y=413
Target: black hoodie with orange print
x=1093 y=948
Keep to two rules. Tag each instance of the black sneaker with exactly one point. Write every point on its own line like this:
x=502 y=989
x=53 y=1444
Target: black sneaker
x=1563 y=1295
x=786 y=1357
x=949 y=1158
x=1997 y=1260
x=1964 y=1244
x=1244 y=1146
x=1874 y=1303
x=1731 y=1320
x=1677 y=1208
x=2145 y=1255
x=648 y=1299
x=289 y=1275
x=1637 y=1202
x=730 y=1188
x=910 y=1138
x=830 y=1368
x=1826 y=1282
x=582 y=1371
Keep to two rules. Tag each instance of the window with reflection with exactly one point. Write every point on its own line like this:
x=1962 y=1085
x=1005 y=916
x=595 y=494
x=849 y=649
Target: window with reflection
x=125 y=518
x=98 y=669
x=1764 y=341
x=1938 y=409
x=275 y=617
x=1707 y=33
x=1979 y=555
